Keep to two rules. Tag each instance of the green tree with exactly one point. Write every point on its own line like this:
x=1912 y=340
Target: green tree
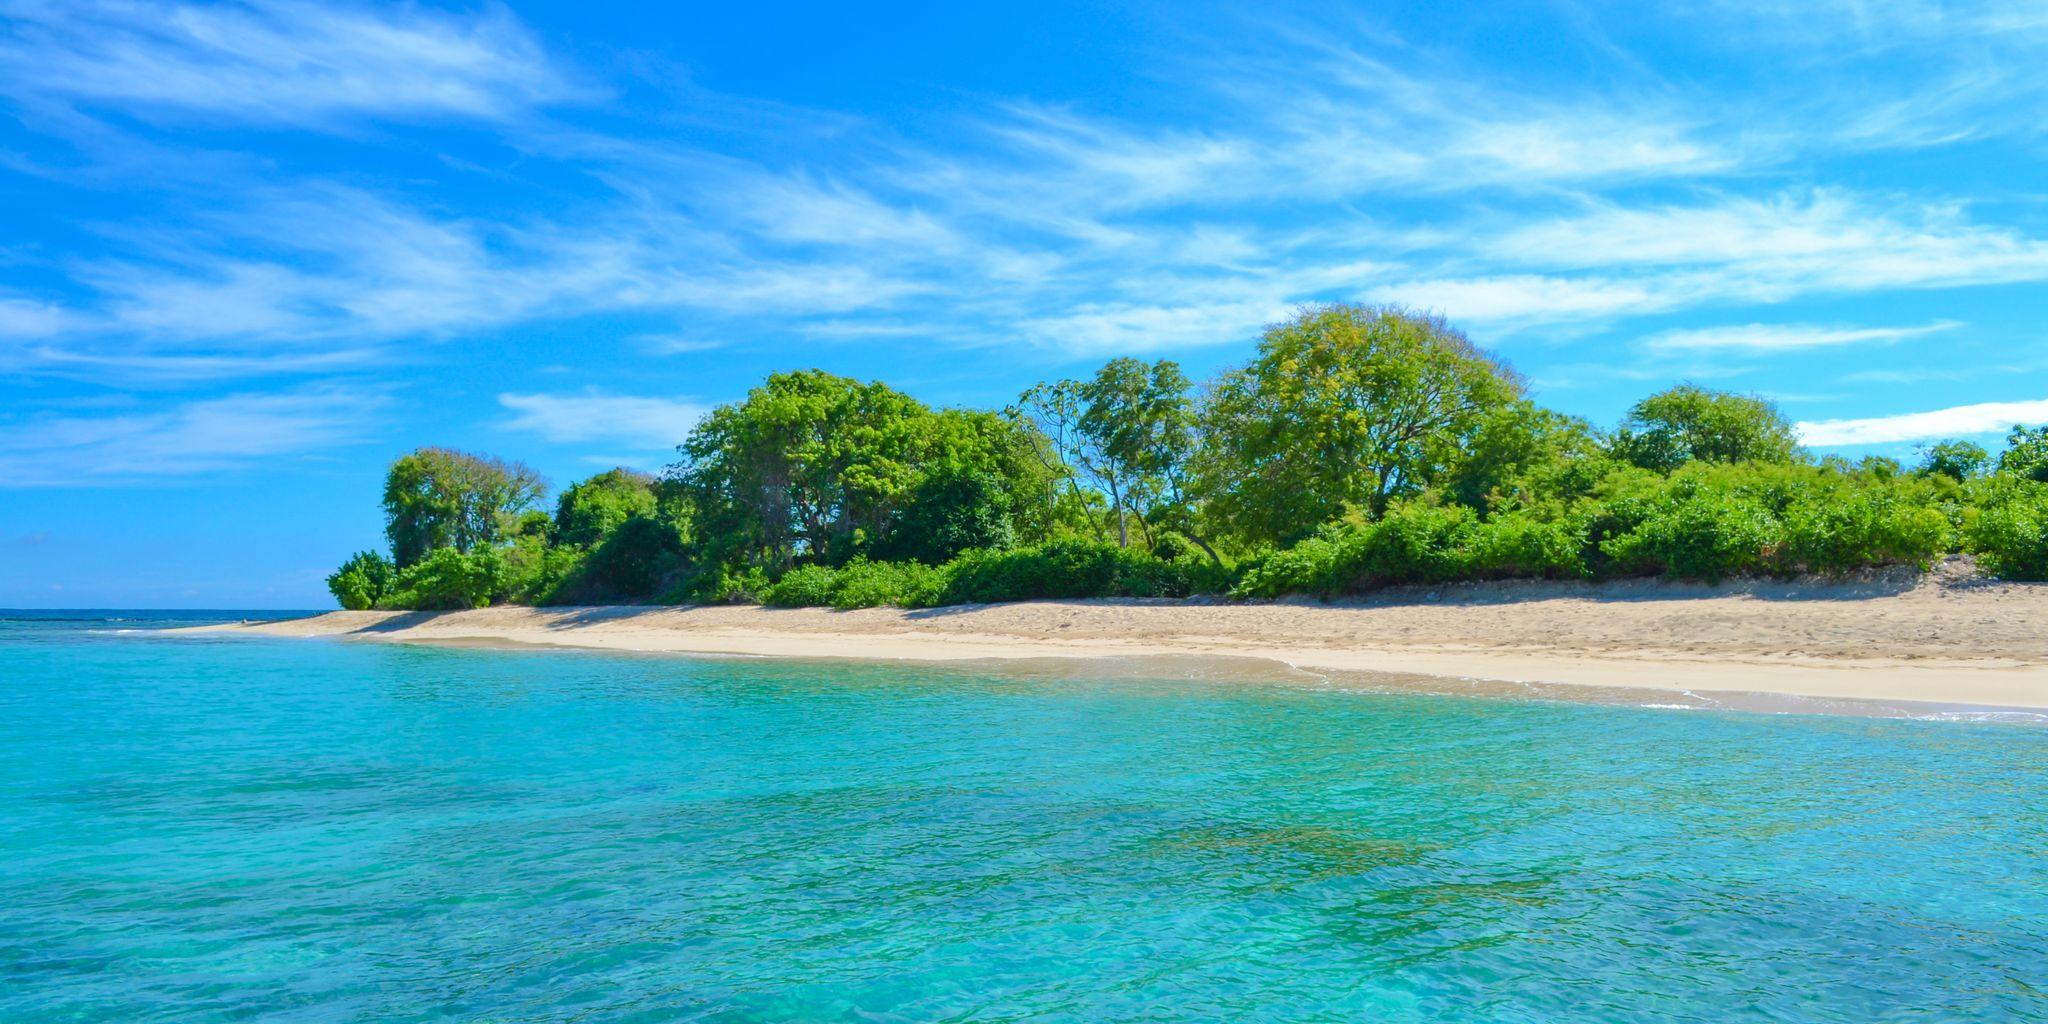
x=1344 y=409
x=1129 y=431
x=1689 y=423
x=1138 y=420
x=2026 y=454
x=1054 y=411
x=590 y=510
x=362 y=581
x=818 y=468
x=1957 y=460
x=442 y=498
x=1522 y=452
x=950 y=511
x=635 y=560
x=447 y=578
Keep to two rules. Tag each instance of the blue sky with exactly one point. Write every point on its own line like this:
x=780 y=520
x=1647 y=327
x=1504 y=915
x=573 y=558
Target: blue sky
x=252 y=252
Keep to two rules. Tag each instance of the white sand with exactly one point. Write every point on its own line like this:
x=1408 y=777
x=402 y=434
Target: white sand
x=1919 y=639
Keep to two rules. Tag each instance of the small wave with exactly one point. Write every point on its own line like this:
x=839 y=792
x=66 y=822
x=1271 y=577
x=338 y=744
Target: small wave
x=2004 y=717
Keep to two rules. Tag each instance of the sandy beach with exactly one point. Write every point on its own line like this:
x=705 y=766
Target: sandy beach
x=1916 y=639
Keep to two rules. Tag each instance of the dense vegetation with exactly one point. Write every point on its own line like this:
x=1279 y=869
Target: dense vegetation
x=1362 y=447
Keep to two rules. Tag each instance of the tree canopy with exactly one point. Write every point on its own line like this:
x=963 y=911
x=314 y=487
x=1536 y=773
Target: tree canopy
x=1687 y=423
x=442 y=498
x=1344 y=408
x=1361 y=447
x=820 y=468
x=588 y=511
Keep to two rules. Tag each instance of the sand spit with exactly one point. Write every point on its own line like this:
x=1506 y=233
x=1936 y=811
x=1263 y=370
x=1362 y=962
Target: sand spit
x=1910 y=639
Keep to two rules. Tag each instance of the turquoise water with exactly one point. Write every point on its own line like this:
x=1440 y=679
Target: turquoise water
x=213 y=830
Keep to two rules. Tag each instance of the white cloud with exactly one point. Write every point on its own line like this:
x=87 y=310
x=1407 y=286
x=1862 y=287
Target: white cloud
x=1128 y=328
x=27 y=318
x=186 y=439
x=1958 y=421
x=645 y=423
x=1617 y=260
x=1789 y=337
x=275 y=61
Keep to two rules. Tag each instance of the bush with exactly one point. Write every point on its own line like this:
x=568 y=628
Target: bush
x=859 y=584
x=865 y=584
x=541 y=573
x=721 y=585
x=362 y=581
x=2010 y=533
x=1701 y=535
x=1414 y=543
x=1310 y=567
x=1419 y=543
x=447 y=578
x=1064 y=569
x=1858 y=528
x=634 y=561
x=806 y=586
x=1522 y=546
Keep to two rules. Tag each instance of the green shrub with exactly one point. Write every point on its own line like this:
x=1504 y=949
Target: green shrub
x=1522 y=546
x=362 y=581
x=721 y=584
x=865 y=584
x=859 y=584
x=1854 y=528
x=634 y=561
x=1696 y=533
x=2010 y=532
x=806 y=586
x=1063 y=569
x=1309 y=567
x=447 y=578
x=1414 y=543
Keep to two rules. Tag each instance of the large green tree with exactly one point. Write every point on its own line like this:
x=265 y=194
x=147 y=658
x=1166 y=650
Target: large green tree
x=1345 y=408
x=818 y=468
x=2026 y=454
x=442 y=498
x=1690 y=423
x=591 y=509
x=1129 y=430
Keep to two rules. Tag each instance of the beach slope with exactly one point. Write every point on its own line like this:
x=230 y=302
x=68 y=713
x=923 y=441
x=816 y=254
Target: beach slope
x=1918 y=639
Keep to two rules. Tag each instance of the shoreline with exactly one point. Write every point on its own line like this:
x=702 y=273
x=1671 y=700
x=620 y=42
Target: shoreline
x=1923 y=643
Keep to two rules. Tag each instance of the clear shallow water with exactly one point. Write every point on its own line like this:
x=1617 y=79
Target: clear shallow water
x=207 y=829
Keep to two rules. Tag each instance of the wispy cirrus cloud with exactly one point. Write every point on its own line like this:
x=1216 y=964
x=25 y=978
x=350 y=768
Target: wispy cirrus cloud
x=1788 y=337
x=1955 y=421
x=1317 y=167
x=180 y=440
x=1616 y=260
x=637 y=422
x=283 y=62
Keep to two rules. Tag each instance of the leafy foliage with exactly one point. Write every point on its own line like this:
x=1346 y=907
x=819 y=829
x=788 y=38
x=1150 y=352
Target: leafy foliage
x=2026 y=454
x=442 y=498
x=448 y=579
x=362 y=581
x=1345 y=409
x=817 y=468
x=1363 y=448
x=589 y=511
x=1957 y=460
x=1688 y=423
x=2010 y=533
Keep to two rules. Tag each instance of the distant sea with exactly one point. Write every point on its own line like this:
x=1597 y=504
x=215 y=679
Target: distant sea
x=198 y=828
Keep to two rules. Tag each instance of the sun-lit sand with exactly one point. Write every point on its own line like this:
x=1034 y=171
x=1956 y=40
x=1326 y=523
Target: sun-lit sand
x=1914 y=639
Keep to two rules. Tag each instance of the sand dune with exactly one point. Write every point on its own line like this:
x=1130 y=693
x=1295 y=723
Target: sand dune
x=1919 y=639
